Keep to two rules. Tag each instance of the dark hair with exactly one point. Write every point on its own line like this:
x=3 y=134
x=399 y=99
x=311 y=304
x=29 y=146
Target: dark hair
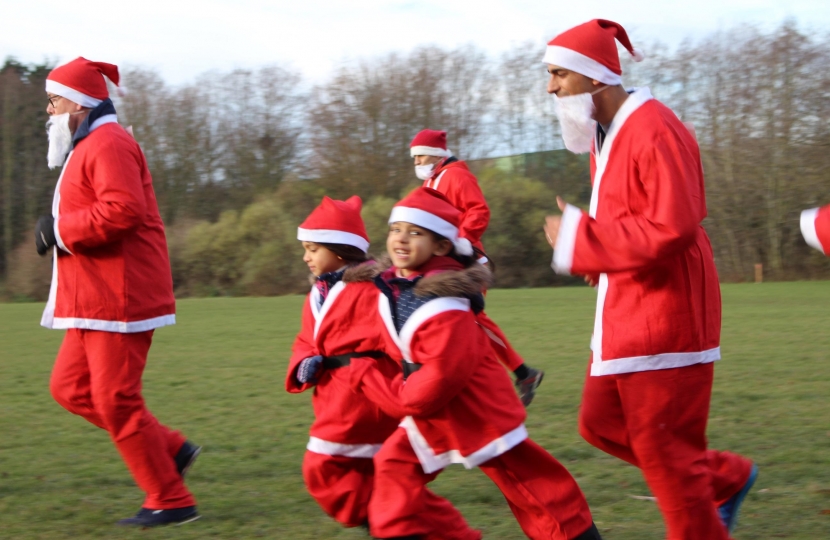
x=466 y=260
x=349 y=254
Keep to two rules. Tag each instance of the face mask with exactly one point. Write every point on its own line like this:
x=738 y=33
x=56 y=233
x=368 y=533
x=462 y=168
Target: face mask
x=424 y=172
x=576 y=118
x=60 y=139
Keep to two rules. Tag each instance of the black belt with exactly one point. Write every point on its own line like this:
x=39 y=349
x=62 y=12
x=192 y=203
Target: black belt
x=409 y=368
x=343 y=360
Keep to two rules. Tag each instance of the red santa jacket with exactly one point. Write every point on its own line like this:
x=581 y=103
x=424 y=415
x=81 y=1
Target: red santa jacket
x=111 y=269
x=658 y=302
x=460 y=186
x=815 y=226
x=346 y=423
x=460 y=406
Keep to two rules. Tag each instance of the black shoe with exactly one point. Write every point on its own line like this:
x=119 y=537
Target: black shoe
x=186 y=456
x=590 y=534
x=527 y=386
x=147 y=517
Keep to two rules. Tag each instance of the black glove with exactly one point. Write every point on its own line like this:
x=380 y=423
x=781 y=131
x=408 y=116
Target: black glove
x=45 y=234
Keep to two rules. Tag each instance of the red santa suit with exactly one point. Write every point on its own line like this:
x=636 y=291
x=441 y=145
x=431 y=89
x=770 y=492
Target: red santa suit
x=340 y=318
x=348 y=429
x=815 y=226
x=111 y=286
x=658 y=317
x=457 y=407
x=459 y=185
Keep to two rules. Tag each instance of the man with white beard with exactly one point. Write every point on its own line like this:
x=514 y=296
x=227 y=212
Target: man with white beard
x=111 y=285
x=657 y=328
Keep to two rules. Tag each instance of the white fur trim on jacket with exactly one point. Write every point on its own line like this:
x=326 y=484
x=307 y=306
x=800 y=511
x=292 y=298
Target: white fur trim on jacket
x=121 y=327
x=431 y=462
x=563 y=255
x=633 y=364
x=328 y=448
x=579 y=63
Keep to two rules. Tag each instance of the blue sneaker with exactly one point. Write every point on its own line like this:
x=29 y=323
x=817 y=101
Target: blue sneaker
x=147 y=517
x=729 y=510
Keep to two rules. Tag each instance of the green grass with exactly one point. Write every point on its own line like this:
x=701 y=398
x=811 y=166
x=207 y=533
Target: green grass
x=218 y=375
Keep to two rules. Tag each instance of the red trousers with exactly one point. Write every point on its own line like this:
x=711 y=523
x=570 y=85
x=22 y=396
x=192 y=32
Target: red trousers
x=504 y=350
x=656 y=420
x=342 y=486
x=542 y=494
x=97 y=375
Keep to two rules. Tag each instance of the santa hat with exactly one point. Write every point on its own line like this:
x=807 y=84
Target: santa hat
x=430 y=209
x=336 y=222
x=429 y=142
x=82 y=81
x=589 y=49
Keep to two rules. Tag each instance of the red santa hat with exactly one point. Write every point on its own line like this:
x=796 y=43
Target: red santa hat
x=430 y=209
x=589 y=49
x=429 y=142
x=82 y=81
x=336 y=222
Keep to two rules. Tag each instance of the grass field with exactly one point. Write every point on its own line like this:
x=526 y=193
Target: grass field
x=218 y=376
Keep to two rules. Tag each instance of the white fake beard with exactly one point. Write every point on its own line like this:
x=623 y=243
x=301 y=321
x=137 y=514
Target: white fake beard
x=576 y=117
x=60 y=139
x=424 y=172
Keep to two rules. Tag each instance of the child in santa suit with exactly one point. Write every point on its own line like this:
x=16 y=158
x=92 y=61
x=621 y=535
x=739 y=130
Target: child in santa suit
x=455 y=399
x=441 y=171
x=815 y=226
x=339 y=323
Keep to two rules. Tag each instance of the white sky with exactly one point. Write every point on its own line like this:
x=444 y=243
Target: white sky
x=184 y=38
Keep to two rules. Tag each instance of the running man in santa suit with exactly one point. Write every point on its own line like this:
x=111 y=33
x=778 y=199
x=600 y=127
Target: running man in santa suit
x=441 y=171
x=815 y=226
x=111 y=285
x=657 y=328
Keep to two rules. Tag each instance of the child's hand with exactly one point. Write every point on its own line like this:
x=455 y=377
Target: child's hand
x=308 y=369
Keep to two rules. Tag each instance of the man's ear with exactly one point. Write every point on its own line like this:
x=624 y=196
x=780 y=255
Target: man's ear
x=443 y=248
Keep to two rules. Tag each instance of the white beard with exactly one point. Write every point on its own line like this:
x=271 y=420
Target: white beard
x=424 y=172
x=576 y=117
x=60 y=139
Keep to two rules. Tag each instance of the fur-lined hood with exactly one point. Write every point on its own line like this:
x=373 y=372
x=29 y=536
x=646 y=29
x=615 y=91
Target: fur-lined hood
x=365 y=271
x=464 y=282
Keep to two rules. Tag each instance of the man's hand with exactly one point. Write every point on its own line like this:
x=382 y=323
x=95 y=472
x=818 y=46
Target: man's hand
x=45 y=234
x=552 y=224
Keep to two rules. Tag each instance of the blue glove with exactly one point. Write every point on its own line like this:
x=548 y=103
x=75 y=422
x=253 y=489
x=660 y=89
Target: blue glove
x=309 y=368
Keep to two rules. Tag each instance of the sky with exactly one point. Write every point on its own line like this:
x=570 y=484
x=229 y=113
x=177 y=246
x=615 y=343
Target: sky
x=182 y=39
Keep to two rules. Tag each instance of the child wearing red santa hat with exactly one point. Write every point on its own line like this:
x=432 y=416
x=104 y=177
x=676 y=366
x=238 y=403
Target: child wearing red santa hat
x=339 y=324
x=456 y=401
x=441 y=171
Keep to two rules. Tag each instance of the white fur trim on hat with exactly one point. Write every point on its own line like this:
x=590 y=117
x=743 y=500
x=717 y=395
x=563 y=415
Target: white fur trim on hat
x=327 y=236
x=463 y=247
x=579 y=63
x=71 y=94
x=429 y=151
x=424 y=219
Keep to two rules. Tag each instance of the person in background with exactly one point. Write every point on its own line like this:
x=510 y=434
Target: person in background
x=441 y=171
x=111 y=285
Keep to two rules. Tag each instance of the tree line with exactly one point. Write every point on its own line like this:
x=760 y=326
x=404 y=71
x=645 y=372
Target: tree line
x=238 y=159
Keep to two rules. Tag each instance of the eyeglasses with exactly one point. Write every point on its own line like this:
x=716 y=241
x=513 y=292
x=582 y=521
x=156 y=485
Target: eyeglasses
x=53 y=99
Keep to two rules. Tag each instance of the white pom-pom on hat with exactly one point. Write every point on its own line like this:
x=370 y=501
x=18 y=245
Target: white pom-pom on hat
x=463 y=247
x=638 y=55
